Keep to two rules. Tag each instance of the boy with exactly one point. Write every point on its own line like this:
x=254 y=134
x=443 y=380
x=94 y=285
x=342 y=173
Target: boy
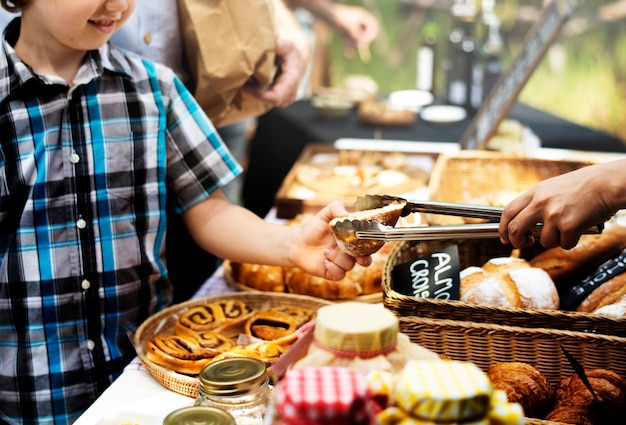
x=92 y=141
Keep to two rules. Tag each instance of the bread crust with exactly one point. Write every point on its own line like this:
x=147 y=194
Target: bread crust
x=591 y=251
x=607 y=293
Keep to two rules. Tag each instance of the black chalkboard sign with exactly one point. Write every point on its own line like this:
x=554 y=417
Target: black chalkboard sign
x=435 y=275
x=504 y=94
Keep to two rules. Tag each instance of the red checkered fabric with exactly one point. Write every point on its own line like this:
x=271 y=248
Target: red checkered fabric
x=325 y=395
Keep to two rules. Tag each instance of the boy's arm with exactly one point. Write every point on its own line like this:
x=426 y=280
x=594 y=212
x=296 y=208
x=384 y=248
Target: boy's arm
x=233 y=232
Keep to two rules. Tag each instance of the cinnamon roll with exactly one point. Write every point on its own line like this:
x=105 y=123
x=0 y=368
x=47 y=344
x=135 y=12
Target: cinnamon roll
x=180 y=353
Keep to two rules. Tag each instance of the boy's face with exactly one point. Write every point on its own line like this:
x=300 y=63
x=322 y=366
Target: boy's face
x=77 y=24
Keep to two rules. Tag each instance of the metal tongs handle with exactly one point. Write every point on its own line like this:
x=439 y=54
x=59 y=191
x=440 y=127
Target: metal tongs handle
x=377 y=231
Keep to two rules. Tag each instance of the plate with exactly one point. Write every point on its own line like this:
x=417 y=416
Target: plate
x=443 y=114
x=413 y=100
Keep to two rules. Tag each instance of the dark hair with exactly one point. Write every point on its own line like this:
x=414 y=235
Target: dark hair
x=13 y=5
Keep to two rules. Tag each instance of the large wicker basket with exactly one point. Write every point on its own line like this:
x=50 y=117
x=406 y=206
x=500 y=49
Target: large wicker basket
x=475 y=252
x=162 y=323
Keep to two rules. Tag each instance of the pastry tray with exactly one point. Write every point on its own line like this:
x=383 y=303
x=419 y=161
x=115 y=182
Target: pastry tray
x=304 y=190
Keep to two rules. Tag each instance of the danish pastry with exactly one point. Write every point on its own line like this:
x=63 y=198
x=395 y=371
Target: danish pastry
x=180 y=353
x=220 y=317
x=268 y=352
x=276 y=324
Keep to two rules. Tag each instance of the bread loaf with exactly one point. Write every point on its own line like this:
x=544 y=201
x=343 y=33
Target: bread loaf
x=606 y=294
x=508 y=282
x=571 y=265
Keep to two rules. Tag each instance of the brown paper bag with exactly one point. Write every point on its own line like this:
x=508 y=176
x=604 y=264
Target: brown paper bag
x=227 y=43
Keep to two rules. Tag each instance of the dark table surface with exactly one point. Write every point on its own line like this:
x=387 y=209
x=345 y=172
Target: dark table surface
x=282 y=134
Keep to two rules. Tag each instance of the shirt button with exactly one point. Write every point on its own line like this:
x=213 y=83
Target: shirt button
x=81 y=224
x=91 y=345
x=85 y=284
x=147 y=38
x=74 y=158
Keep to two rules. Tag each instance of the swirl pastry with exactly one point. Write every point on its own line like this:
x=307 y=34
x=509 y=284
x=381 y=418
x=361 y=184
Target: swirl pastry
x=222 y=316
x=276 y=324
x=180 y=353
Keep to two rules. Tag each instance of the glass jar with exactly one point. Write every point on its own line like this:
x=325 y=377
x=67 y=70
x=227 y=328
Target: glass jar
x=239 y=386
x=199 y=416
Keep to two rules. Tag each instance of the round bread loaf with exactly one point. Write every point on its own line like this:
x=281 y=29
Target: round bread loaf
x=509 y=282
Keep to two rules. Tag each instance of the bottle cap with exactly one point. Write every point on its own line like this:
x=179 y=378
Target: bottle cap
x=199 y=415
x=234 y=376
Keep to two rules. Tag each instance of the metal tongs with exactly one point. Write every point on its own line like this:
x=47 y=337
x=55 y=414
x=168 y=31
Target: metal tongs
x=368 y=229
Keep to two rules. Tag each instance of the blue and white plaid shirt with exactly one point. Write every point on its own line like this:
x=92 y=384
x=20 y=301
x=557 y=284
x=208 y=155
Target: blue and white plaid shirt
x=84 y=173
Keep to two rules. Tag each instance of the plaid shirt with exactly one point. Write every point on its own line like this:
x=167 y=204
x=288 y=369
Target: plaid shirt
x=84 y=172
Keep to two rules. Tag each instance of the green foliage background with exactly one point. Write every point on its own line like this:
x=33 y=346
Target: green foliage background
x=582 y=77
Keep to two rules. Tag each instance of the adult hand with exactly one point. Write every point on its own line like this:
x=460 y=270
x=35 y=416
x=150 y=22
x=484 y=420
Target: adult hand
x=567 y=205
x=356 y=25
x=284 y=89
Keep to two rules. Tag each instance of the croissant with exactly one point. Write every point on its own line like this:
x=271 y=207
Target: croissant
x=574 y=403
x=180 y=353
x=524 y=384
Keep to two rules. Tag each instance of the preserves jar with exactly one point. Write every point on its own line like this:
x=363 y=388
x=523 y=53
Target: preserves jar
x=199 y=416
x=240 y=386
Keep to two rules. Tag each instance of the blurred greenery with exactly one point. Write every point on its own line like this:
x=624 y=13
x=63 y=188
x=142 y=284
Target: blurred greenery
x=582 y=78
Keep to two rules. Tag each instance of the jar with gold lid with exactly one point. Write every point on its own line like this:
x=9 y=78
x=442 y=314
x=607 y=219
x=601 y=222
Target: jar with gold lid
x=198 y=415
x=240 y=386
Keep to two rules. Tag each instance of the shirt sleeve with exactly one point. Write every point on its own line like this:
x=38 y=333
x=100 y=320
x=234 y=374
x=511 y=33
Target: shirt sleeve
x=198 y=161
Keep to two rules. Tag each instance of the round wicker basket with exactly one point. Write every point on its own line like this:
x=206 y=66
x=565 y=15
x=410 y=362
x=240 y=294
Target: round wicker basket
x=162 y=323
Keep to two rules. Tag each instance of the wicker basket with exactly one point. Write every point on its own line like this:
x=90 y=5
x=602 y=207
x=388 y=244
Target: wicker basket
x=476 y=252
x=162 y=323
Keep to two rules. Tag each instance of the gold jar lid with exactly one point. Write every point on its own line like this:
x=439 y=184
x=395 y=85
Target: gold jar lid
x=199 y=415
x=356 y=327
x=236 y=376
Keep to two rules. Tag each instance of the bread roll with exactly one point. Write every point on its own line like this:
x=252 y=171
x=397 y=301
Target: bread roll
x=524 y=384
x=591 y=251
x=345 y=228
x=259 y=276
x=509 y=282
x=606 y=294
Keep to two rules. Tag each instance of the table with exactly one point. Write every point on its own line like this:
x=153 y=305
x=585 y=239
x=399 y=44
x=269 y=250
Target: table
x=283 y=133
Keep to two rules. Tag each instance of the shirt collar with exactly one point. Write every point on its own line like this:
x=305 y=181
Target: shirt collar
x=14 y=73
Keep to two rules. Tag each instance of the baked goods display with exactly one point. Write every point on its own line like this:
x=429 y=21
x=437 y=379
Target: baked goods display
x=509 y=282
x=358 y=282
x=352 y=173
x=226 y=328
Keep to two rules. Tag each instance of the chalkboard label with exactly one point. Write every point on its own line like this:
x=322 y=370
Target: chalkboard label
x=435 y=275
x=507 y=89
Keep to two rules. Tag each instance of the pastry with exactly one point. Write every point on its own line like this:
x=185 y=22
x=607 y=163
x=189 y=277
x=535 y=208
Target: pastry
x=574 y=403
x=259 y=276
x=276 y=324
x=267 y=351
x=345 y=228
x=222 y=316
x=509 y=282
x=566 y=266
x=180 y=353
x=524 y=384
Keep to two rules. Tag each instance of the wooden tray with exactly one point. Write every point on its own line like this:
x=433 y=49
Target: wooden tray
x=294 y=197
x=162 y=323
